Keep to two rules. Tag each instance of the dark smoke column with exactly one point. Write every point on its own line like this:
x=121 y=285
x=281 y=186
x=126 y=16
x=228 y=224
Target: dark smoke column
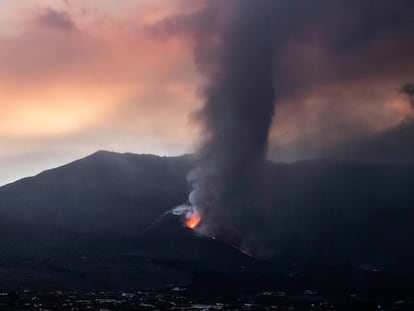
x=408 y=89
x=234 y=51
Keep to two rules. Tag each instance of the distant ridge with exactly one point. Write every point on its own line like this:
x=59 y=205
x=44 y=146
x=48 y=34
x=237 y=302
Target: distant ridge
x=392 y=145
x=91 y=212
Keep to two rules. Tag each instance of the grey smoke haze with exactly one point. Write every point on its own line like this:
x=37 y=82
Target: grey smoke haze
x=55 y=19
x=255 y=54
x=236 y=56
x=408 y=89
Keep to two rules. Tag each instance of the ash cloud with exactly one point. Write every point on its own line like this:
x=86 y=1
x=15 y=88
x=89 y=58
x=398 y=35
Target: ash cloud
x=258 y=54
x=236 y=56
x=56 y=19
x=234 y=51
x=408 y=89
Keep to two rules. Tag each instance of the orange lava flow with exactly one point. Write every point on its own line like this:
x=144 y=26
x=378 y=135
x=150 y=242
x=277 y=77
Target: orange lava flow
x=193 y=221
x=243 y=251
x=246 y=252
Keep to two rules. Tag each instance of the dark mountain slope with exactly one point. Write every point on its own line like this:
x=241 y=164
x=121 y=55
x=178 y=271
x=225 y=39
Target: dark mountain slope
x=353 y=213
x=392 y=145
x=95 y=212
x=102 y=193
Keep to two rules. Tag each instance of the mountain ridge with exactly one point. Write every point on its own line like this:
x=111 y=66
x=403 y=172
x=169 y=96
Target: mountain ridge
x=330 y=212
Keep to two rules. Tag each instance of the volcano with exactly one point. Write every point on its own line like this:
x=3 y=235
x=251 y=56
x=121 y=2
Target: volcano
x=171 y=242
x=169 y=237
x=106 y=221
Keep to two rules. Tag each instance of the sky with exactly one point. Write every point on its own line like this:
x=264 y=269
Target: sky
x=80 y=76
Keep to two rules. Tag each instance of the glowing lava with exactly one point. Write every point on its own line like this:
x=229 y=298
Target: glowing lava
x=247 y=253
x=193 y=220
x=190 y=216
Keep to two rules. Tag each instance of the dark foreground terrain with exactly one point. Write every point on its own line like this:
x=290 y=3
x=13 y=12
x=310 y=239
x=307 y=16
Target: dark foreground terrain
x=98 y=234
x=176 y=298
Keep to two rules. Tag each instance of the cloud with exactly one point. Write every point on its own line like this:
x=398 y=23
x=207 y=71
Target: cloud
x=105 y=84
x=129 y=64
x=408 y=89
x=56 y=20
x=337 y=66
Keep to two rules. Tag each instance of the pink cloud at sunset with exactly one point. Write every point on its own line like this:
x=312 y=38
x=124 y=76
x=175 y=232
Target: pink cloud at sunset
x=79 y=76
x=92 y=72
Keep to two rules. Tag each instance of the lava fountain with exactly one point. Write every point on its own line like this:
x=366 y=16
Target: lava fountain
x=191 y=215
x=193 y=219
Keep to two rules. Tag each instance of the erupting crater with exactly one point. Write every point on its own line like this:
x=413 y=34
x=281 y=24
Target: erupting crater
x=192 y=216
x=193 y=220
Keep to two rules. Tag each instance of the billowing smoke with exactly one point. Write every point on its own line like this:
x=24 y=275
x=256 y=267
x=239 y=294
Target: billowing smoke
x=339 y=59
x=408 y=90
x=236 y=56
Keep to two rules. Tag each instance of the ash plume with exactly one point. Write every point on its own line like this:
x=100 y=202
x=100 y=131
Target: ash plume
x=408 y=90
x=339 y=54
x=236 y=56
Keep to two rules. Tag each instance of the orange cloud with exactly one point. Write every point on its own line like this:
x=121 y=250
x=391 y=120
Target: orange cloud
x=81 y=77
x=78 y=76
x=54 y=81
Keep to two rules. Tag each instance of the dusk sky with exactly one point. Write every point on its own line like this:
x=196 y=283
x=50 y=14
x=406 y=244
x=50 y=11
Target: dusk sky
x=80 y=76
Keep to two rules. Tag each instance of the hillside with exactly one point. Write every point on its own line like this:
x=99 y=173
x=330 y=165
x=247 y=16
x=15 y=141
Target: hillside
x=99 y=214
x=392 y=145
x=104 y=192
